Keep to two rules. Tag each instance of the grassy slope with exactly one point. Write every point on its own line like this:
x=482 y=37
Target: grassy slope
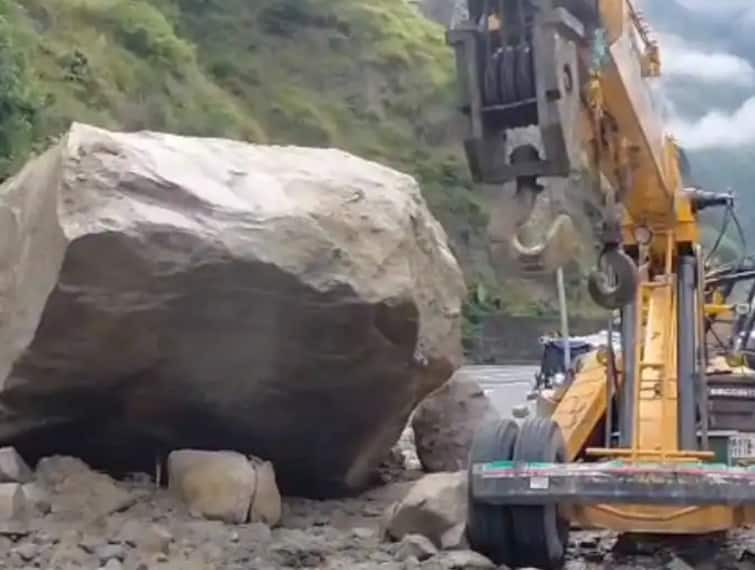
x=371 y=76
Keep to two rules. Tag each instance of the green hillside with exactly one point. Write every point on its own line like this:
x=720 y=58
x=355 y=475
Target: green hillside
x=373 y=77
x=369 y=76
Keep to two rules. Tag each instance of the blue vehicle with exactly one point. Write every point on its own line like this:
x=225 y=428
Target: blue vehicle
x=553 y=362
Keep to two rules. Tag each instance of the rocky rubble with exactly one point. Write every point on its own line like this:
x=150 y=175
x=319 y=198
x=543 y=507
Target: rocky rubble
x=133 y=524
x=287 y=302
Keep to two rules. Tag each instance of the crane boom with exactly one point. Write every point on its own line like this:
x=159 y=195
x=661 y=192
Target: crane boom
x=578 y=73
x=633 y=59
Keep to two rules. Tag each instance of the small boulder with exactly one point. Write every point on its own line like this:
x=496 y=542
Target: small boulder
x=445 y=423
x=415 y=546
x=266 y=505
x=407 y=451
x=77 y=491
x=107 y=552
x=113 y=564
x=459 y=560
x=13 y=469
x=216 y=485
x=435 y=507
x=12 y=502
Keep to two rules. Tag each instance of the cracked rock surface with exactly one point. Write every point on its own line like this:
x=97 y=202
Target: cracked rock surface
x=163 y=292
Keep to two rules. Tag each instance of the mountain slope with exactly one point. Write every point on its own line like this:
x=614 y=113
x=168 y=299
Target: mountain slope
x=369 y=76
x=373 y=77
x=363 y=74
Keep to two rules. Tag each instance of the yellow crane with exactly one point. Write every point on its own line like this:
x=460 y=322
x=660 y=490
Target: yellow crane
x=579 y=72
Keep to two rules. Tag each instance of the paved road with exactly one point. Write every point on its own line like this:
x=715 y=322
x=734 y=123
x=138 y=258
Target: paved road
x=506 y=386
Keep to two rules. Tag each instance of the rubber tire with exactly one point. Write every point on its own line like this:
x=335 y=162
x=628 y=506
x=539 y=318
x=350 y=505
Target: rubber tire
x=491 y=85
x=525 y=74
x=507 y=76
x=489 y=527
x=541 y=535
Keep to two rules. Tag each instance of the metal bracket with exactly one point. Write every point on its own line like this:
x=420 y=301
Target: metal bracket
x=508 y=483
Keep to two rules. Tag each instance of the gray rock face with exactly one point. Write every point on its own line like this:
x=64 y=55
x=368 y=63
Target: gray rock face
x=13 y=469
x=291 y=303
x=12 y=501
x=445 y=424
x=435 y=507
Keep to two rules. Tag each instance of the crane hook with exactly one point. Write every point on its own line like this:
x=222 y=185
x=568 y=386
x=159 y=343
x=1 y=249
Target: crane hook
x=614 y=284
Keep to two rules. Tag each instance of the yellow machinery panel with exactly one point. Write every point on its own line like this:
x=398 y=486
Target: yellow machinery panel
x=579 y=71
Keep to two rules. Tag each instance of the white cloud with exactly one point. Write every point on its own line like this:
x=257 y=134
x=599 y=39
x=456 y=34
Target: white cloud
x=718 y=129
x=743 y=11
x=662 y=101
x=681 y=59
x=715 y=6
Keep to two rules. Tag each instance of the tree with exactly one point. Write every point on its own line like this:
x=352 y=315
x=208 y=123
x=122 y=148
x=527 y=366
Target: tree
x=18 y=107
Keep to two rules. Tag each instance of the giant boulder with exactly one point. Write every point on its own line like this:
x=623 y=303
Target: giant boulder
x=162 y=292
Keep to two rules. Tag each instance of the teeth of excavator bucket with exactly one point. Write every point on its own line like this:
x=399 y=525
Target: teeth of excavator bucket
x=616 y=482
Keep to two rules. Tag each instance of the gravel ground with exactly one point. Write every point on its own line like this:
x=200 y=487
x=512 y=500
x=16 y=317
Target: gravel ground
x=87 y=521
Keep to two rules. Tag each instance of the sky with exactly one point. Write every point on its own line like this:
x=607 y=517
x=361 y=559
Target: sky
x=716 y=58
x=721 y=8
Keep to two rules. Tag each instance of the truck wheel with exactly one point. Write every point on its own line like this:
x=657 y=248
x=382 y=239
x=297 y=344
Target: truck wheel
x=489 y=526
x=541 y=534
